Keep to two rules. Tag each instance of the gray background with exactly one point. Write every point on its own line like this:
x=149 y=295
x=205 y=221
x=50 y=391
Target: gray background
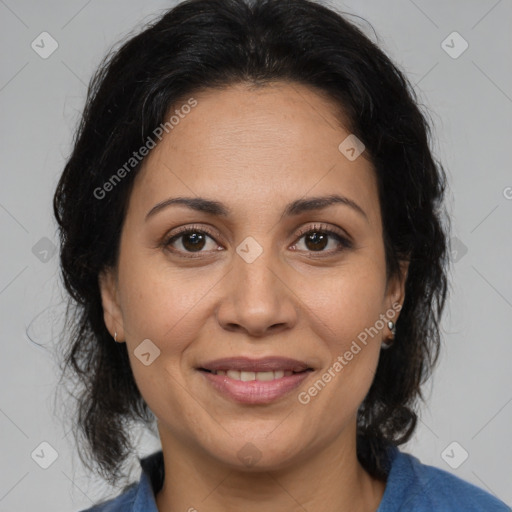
x=470 y=98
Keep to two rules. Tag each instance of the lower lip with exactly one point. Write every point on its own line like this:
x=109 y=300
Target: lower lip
x=255 y=391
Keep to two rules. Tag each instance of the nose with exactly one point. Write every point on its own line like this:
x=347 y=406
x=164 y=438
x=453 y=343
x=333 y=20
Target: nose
x=257 y=298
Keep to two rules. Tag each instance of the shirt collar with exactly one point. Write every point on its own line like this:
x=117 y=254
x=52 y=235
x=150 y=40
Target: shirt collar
x=151 y=482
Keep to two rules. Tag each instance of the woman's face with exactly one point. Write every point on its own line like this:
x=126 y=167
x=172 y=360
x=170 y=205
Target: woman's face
x=248 y=291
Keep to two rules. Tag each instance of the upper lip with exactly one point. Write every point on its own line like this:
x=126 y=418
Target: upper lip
x=247 y=364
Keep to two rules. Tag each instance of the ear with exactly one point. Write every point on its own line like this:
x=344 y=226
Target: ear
x=112 y=314
x=395 y=294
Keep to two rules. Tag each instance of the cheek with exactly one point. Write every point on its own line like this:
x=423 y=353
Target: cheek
x=168 y=307
x=162 y=303
x=346 y=316
x=351 y=301
x=167 y=311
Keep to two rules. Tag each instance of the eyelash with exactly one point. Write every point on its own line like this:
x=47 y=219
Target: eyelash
x=344 y=242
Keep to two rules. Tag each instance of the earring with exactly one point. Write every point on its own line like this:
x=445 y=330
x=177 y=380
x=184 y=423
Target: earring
x=392 y=328
x=115 y=336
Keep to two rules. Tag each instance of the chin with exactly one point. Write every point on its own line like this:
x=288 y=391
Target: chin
x=257 y=449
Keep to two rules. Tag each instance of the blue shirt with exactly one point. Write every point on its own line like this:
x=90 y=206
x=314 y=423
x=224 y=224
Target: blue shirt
x=410 y=486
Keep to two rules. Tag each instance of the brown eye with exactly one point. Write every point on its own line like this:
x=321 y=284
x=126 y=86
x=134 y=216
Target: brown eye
x=316 y=241
x=193 y=241
x=317 y=238
x=189 y=240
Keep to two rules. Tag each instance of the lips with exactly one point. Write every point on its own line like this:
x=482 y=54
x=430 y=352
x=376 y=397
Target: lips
x=255 y=381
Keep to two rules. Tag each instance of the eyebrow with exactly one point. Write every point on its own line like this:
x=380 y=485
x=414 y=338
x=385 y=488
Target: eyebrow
x=211 y=207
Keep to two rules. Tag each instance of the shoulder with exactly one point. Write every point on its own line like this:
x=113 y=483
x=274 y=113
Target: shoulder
x=420 y=487
x=139 y=496
x=125 y=501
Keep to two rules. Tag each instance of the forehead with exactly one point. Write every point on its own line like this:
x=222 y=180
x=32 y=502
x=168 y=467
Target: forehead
x=266 y=144
x=286 y=119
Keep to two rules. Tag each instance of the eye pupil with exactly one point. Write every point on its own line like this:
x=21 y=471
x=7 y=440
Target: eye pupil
x=195 y=239
x=317 y=238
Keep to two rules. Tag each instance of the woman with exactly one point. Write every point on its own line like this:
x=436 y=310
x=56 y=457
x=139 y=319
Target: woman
x=262 y=266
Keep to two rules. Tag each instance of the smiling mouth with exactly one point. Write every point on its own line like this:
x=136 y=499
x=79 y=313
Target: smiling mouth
x=255 y=381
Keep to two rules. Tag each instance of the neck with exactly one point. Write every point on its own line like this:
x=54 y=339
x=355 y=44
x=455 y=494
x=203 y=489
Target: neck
x=331 y=480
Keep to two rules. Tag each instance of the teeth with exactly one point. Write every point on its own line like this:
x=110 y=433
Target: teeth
x=265 y=376
x=233 y=374
x=249 y=376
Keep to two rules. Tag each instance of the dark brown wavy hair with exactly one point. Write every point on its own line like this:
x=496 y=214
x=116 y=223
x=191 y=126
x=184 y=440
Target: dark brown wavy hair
x=210 y=44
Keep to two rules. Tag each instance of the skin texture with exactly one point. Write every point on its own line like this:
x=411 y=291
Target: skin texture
x=255 y=150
